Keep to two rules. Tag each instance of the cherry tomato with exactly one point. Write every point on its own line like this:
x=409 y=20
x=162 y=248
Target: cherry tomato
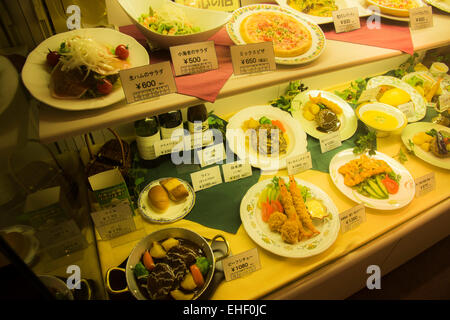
x=53 y=58
x=104 y=86
x=122 y=52
x=391 y=185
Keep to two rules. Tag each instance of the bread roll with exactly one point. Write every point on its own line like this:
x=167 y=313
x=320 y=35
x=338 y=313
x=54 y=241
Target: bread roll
x=176 y=190
x=159 y=198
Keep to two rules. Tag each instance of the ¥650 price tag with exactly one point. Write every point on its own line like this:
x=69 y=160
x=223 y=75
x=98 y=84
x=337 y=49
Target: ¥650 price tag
x=146 y=82
x=253 y=57
x=194 y=58
x=346 y=19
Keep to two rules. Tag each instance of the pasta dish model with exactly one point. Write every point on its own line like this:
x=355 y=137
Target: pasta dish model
x=320 y=8
x=397 y=4
x=289 y=36
x=167 y=21
x=85 y=68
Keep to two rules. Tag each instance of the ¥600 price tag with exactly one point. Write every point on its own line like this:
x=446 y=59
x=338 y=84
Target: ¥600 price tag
x=346 y=19
x=194 y=58
x=146 y=82
x=253 y=58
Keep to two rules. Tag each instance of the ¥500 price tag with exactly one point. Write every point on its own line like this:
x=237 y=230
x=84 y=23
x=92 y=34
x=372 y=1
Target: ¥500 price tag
x=194 y=58
x=146 y=82
x=253 y=58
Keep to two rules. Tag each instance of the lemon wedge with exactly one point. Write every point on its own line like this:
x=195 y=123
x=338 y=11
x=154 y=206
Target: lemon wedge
x=395 y=97
x=316 y=208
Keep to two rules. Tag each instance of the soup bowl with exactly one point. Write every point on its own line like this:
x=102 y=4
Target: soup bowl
x=382 y=118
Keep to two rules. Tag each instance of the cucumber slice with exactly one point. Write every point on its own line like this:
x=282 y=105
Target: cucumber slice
x=377 y=189
x=381 y=185
x=371 y=192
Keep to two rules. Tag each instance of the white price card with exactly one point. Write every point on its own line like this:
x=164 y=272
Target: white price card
x=299 y=163
x=420 y=18
x=425 y=184
x=330 y=141
x=253 y=58
x=114 y=230
x=242 y=264
x=146 y=82
x=369 y=94
x=206 y=178
x=211 y=155
x=113 y=214
x=194 y=58
x=236 y=170
x=407 y=108
x=352 y=217
x=346 y=19
x=167 y=146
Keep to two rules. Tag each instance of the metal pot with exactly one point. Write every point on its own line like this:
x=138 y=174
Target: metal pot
x=145 y=243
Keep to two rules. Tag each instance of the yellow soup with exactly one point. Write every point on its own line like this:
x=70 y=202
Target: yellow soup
x=380 y=120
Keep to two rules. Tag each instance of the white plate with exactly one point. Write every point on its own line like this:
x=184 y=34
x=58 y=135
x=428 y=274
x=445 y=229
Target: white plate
x=317 y=35
x=349 y=121
x=411 y=130
x=395 y=201
x=341 y=4
x=236 y=137
x=420 y=104
x=443 y=5
x=29 y=234
x=385 y=12
x=175 y=212
x=36 y=73
x=426 y=76
x=259 y=231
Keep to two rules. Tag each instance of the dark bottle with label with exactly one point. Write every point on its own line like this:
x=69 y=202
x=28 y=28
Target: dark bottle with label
x=170 y=122
x=197 y=117
x=147 y=133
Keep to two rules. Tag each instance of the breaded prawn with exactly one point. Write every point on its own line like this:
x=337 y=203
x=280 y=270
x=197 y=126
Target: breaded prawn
x=289 y=209
x=300 y=206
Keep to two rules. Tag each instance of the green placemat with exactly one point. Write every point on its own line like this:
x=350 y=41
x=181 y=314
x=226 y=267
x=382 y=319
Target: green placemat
x=216 y=207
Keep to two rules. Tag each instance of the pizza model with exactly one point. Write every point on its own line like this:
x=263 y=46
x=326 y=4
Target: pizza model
x=289 y=36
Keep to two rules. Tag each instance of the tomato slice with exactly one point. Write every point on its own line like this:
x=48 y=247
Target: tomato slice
x=279 y=124
x=266 y=211
x=391 y=185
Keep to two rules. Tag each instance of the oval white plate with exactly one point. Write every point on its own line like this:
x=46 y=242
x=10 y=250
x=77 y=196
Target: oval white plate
x=317 y=35
x=259 y=231
x=175 y=212
x=36 y=73
x=420 y=104
x=411 y=130
x=395 y=201
x=29 y=233
x=236 y=136
x=349 y=121
x=341 y=4
x=443 y=5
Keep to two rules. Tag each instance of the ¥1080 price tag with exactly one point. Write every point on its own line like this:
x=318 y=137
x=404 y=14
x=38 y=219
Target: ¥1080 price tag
x=253 y=58
x=194 y=58
x=146 y=82
x=241 y=264
x=300 y=163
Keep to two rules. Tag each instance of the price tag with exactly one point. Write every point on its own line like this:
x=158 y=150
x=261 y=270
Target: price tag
x=299 y=163
x=369 y=95
x=201 y=139
x=206 y=178
x=236 y=170
x=58 y=233
x=330 y=141
x=408 y=109
x=253 y=58
x=224 y=5
x=210 y=155
x=115 y=213
x=194 y=58
x=146 y=82
x=352 y=217
x=444 y=101
x=425 y=184
x=241 y=264
x=420 y=18
x=114 y=230
x=346 y=19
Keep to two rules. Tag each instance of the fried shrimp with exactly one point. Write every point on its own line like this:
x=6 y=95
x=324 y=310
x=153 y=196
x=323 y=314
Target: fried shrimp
x=300 y=206
x=289 y=209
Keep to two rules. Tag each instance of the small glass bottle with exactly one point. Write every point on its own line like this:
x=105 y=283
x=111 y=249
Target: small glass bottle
x=147 y=133
x=197 y=117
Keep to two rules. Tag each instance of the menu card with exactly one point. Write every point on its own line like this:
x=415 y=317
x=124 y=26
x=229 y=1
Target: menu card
x=194 y=58
x=420 y=18
x=346 y=19
x=253 y=58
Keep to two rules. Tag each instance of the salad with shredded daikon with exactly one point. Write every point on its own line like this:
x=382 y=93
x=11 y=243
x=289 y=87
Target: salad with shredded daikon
x=167 y=21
